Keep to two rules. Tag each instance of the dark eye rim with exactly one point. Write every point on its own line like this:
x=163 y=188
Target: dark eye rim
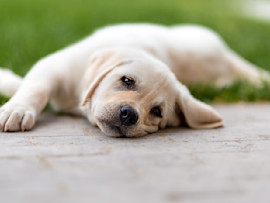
x=156 y=111
x=128 y=82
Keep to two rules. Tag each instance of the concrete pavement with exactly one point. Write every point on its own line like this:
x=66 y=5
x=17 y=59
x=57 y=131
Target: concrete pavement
x=65 y=159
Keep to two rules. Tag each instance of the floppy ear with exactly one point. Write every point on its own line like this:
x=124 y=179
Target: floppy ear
x=197 y=114
x=101 y=63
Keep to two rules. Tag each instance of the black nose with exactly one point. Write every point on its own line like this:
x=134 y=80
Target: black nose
x=128 y=116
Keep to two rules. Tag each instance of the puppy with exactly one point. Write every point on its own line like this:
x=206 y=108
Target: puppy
x=128 y=80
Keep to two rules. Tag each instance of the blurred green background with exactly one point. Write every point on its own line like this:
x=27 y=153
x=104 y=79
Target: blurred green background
x=31 y=29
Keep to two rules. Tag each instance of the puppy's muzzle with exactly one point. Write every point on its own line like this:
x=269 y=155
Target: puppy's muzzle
x=128 y=116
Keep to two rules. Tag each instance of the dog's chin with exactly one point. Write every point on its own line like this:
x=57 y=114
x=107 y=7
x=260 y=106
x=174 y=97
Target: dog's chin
x=111 y=130
x=118 y=131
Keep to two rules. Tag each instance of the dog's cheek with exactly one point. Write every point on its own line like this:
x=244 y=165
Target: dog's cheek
x=172 y=118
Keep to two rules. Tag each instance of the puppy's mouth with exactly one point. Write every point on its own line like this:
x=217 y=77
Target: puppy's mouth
x=112 y=130
x=121 y=124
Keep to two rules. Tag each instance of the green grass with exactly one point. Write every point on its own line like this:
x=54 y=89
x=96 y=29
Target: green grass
x=31 y=29
x=241 y=90
x=3 y=100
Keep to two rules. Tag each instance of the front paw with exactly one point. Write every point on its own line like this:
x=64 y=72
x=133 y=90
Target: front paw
x=16 y=117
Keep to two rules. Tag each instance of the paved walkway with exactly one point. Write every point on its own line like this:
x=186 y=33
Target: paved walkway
x=66 y=160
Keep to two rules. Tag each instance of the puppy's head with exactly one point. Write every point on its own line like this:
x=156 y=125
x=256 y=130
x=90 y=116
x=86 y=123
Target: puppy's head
x=131 y=94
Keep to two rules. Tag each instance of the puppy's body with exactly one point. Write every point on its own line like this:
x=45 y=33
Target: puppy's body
x=76 y=75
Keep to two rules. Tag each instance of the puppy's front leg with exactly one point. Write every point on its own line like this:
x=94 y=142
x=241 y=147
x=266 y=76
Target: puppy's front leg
x=20 y=112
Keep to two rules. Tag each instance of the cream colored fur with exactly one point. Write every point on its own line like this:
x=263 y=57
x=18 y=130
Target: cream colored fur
x=85 y=79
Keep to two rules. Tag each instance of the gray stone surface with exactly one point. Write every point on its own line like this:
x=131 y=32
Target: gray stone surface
x=64 y=159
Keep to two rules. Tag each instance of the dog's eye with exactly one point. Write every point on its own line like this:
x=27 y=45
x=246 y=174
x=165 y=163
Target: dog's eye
x=156 y=111
x=128 y=82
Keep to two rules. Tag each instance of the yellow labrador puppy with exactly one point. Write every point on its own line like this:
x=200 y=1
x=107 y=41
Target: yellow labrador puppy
x=126 y=79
